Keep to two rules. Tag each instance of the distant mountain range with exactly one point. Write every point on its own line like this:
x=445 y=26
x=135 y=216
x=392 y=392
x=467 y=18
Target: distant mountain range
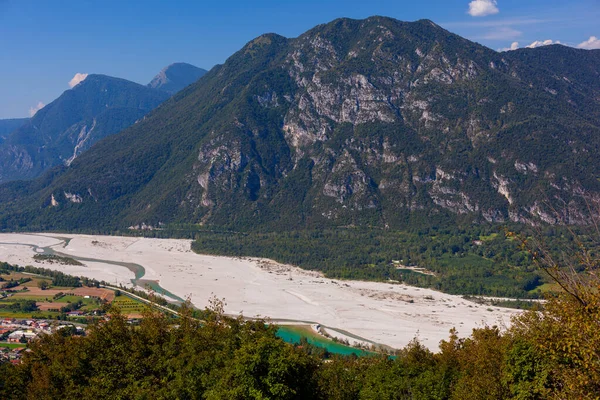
x=373 y=122
x=97 y=107
x=175 y=77
x=7 y=126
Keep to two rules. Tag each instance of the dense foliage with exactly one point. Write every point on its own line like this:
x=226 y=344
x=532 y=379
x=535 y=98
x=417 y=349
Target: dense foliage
x=14 y=282
x=53 y=258
x=58 y=278
x=552 y=354
x=478 y=261
x=20 y=306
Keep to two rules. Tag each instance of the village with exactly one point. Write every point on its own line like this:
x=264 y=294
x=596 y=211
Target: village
x=16 y=333
x=34 y=304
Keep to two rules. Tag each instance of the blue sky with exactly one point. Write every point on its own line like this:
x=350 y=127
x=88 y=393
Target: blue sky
x=45 y=43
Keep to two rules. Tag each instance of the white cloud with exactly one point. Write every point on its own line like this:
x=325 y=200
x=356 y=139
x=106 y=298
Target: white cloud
x=513 y=46
x=33 y=110
x=481 y=8
x=540 y=43
x=77 y=79
x=593 y=43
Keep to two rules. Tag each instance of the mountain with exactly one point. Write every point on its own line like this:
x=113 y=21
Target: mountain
x=175 y=77
x=58 y=133
x=373 y=122
x=555 y=65
x=9 y=125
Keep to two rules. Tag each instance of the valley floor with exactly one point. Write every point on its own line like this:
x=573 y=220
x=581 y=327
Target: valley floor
x=386 y=313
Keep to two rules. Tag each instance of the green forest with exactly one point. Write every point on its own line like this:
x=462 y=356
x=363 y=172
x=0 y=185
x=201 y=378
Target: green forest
x=479 y=260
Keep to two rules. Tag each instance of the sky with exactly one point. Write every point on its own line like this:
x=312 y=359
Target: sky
x=44 y=44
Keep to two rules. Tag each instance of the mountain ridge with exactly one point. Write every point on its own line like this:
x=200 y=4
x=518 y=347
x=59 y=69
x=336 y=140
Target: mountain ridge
x=7 y=126
x=372 y=122
x=98 y=106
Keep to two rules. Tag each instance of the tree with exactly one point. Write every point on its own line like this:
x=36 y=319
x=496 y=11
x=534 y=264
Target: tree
x=266 y=368
x=43 y=284
x=562 y=343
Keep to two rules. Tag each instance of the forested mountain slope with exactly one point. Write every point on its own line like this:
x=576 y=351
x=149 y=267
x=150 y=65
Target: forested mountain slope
x=371 y=122
x=580 y=68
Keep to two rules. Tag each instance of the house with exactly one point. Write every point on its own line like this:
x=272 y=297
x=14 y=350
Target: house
x=75 y=313
x=16 y=336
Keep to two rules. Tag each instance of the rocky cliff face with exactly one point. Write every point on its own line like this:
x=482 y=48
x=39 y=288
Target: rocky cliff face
x=356 y=122
x=390 y=119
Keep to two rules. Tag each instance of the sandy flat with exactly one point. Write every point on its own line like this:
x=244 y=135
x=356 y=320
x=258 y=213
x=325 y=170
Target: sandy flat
x=390 y=314
x=14 y=251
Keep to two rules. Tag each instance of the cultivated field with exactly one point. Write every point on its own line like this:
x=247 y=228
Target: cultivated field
x=50 y=302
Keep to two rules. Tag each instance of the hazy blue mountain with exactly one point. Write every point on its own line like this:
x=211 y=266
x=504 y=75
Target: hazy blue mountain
x=175 y=77
x=373 y=122
x=9 y=125
x=58 y=133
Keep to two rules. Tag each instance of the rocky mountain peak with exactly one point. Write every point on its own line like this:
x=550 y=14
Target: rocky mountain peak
x=175 y=77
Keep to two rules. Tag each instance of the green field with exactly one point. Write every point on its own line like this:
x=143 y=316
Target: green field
x=29 y=315
x=25 y=296
x=12 y=345
x=129 y=305
x=74 y=299
x=34 y=294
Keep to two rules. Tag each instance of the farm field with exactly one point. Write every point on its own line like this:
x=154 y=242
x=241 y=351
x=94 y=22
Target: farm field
x=130 y=307
x=13 y=345
x=35 y=297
